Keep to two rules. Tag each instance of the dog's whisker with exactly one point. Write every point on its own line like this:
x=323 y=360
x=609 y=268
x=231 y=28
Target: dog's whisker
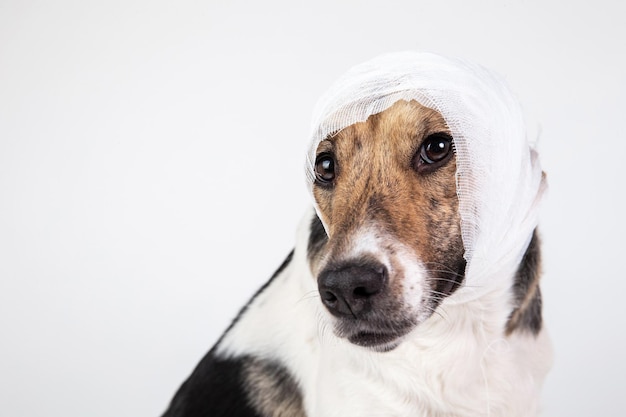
x=433 y=310
x=447 y=272
x=435 y=279
x=440 y=294
x=311 y=295
x=439 y=264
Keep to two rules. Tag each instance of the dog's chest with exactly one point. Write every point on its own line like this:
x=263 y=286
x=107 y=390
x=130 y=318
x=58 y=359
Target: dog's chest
x=398 y=383
x=460 y=380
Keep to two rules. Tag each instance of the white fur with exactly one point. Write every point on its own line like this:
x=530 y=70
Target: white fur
x=371 y=242
x=456 y=363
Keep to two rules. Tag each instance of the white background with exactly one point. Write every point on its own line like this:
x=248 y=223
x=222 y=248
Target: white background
x=151 y=178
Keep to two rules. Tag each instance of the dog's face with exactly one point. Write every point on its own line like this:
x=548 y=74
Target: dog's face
x=386 y=192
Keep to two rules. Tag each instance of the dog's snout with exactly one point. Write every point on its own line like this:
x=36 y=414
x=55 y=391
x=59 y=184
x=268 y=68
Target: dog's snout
x=350 y=289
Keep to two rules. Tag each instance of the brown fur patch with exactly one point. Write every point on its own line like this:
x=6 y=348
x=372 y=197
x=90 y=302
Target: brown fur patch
x=272 y=391
x=377 y=184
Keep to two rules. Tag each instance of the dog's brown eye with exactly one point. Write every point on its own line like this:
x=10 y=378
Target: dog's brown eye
x=325 y=169
x=435 y=149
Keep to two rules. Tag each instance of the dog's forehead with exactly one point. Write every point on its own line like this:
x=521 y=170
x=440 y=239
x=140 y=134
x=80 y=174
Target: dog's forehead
x=402 y=123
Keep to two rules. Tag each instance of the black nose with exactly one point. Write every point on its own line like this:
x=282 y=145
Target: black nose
x=350 y=289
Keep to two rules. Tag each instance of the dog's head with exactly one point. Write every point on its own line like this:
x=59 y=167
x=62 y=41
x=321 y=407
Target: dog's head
x=425 y=186
x=386 y=191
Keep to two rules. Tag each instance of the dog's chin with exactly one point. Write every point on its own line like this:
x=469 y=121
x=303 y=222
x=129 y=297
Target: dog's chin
x=375 y=336
x=376 y=341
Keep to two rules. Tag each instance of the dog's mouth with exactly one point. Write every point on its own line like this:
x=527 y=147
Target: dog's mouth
x=380 y=336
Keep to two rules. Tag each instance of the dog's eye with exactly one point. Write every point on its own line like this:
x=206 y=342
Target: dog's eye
x=435 y=150
x=325 y=169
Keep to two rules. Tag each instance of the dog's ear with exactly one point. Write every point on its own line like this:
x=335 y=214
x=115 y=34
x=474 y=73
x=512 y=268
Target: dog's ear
x=526 y=293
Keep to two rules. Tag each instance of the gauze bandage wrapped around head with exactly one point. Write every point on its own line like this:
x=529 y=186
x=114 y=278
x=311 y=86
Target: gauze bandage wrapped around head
x=499 y=178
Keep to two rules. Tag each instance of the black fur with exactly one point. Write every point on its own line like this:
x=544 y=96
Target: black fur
x=219 y=386
x=215 y=388
x=448 y=280
x=317 y=238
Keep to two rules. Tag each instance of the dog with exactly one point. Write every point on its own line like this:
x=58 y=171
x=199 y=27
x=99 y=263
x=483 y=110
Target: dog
x=362 y=318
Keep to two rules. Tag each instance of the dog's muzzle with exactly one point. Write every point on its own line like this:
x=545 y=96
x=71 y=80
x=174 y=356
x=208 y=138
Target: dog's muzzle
x=357 y=294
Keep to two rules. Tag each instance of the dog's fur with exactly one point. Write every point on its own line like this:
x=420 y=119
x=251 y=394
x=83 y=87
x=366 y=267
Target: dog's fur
x=355 y=322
